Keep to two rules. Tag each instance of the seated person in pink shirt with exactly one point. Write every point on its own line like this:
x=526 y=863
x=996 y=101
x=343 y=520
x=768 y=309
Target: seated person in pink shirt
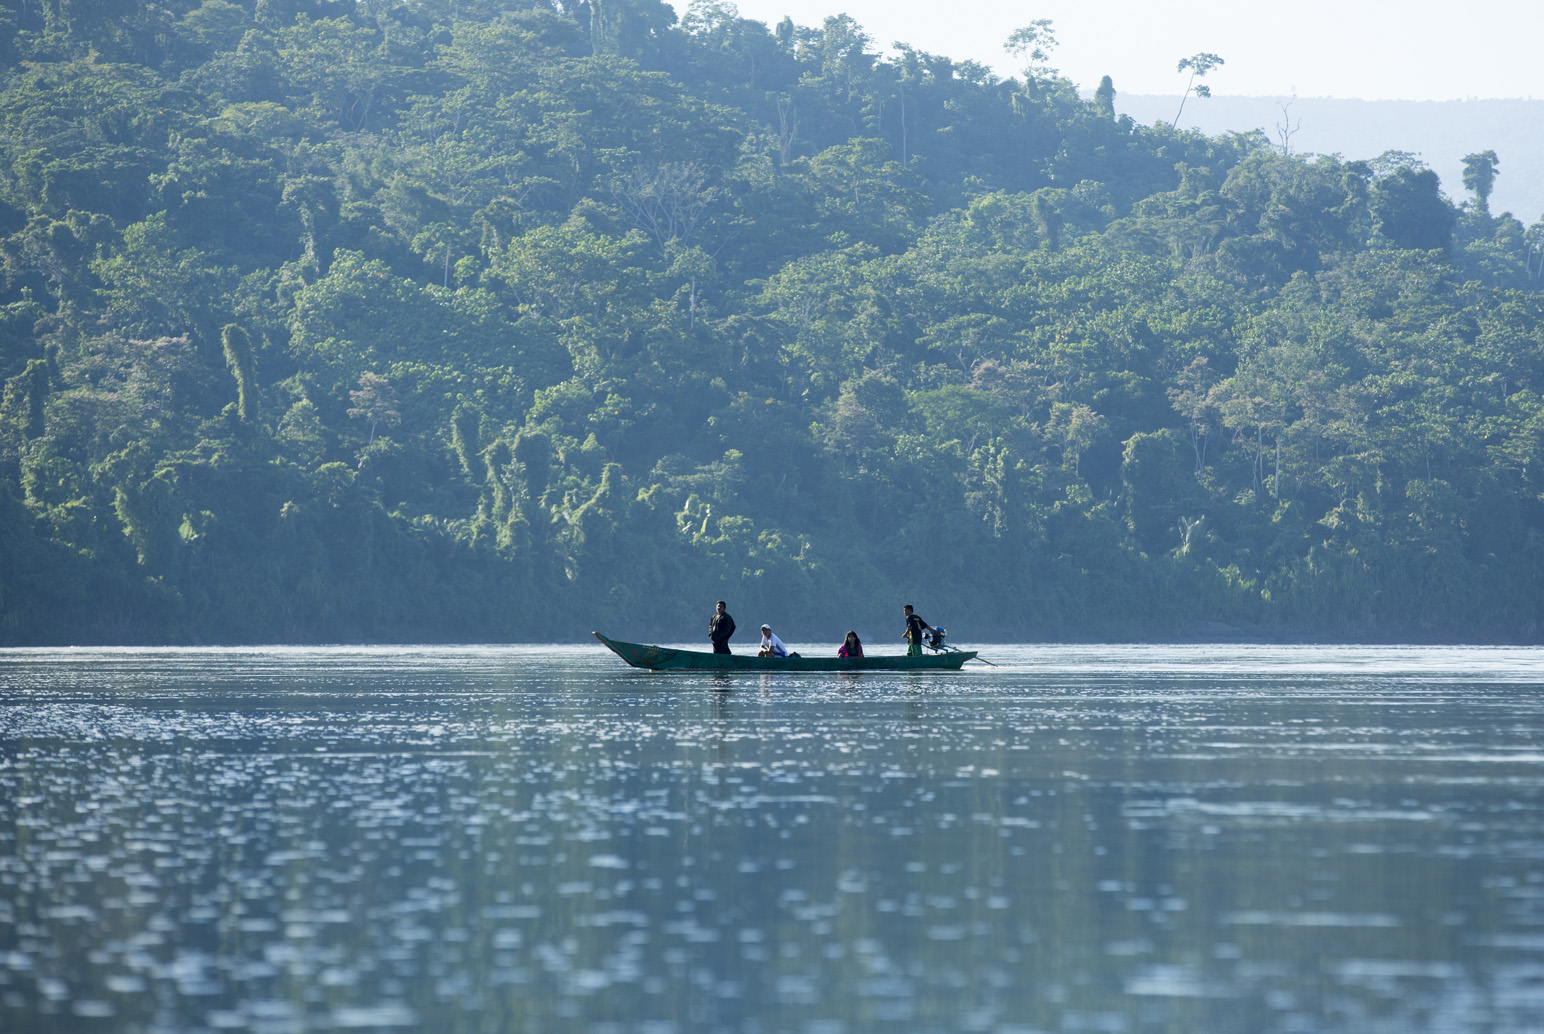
x=852 y=646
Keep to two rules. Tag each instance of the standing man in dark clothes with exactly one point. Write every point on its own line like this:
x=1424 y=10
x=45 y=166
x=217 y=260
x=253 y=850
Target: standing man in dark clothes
x=720 y=628
x=915 y=626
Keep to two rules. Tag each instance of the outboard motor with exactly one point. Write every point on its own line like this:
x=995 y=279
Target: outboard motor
x=935 y=638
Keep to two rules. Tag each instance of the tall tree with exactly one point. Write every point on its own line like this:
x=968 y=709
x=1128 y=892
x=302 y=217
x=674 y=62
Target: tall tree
x=1411 y=210
x=1480 y=177
x=1104 y=97
x=1198 y=65
x=1032 y=45
x=238 y=357
x=376 y=401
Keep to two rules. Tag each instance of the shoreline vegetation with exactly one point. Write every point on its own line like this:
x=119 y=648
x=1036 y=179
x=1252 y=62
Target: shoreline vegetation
x=502 y=321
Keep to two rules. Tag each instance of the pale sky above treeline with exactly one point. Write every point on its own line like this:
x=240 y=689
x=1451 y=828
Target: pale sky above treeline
x=1367 y=49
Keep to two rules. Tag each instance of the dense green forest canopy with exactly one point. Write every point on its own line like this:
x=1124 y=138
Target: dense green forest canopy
x=492 y=320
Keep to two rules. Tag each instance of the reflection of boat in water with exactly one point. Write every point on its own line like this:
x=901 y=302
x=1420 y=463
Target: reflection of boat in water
x=664 y=658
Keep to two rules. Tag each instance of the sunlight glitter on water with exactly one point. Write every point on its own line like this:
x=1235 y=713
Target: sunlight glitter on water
x=1087 y=838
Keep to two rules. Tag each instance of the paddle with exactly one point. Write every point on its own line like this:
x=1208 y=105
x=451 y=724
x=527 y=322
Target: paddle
x=956 y=649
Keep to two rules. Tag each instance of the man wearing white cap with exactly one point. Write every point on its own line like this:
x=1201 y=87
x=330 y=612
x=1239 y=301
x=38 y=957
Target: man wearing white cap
x=771 y=645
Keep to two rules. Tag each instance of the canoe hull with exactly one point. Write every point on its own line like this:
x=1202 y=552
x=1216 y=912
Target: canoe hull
x=664 y=658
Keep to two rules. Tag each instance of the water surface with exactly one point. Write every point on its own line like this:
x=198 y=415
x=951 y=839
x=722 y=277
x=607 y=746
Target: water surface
x=1115 y=839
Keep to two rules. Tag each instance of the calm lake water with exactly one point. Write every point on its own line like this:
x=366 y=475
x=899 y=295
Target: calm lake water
x=1179 y=839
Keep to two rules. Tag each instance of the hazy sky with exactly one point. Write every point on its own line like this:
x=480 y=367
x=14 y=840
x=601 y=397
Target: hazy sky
x=1372 y=49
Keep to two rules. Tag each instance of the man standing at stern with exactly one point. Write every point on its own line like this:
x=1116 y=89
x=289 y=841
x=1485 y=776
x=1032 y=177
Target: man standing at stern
x=720 y=628
x=915 y=626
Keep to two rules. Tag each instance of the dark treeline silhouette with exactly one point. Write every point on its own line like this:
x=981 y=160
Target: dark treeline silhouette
x=490 y=321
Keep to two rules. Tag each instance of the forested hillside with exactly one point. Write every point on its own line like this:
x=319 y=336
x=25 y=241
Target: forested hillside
x=486 y=321
x=1440 y=133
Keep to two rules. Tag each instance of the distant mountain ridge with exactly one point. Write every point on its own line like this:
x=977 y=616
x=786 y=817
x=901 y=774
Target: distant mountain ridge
x=1441 y=132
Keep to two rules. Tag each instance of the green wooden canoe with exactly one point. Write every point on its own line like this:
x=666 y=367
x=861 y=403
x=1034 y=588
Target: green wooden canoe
x=664 y=658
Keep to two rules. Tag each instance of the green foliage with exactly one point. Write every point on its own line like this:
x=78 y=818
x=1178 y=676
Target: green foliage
x=1480 y=175
x=25 y=395
x=1411 y=211
x=238 y=356
x=544 y=317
